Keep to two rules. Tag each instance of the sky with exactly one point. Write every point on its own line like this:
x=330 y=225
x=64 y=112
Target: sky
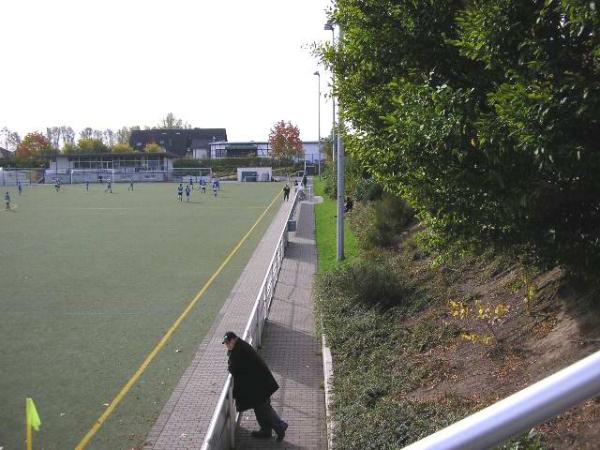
x=236 y=64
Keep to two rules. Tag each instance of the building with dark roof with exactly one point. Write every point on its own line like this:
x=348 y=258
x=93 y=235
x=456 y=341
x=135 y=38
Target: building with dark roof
x=180 y=141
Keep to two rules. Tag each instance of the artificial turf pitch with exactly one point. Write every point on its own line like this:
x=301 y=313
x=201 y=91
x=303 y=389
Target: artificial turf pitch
x=89 y=283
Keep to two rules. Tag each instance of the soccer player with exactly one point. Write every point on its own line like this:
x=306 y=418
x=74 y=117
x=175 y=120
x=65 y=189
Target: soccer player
x=108 y=186
x=286 y=192
x=57 y=184
x=192 y=182
x=87 y=184
x=19 y=187
x=7 y=200
x=203 y=184
x=188 y=191
x=180 y=192
x=130 y=188
x=215 y=187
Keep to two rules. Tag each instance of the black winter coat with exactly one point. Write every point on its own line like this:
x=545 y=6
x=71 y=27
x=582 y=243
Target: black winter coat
x=253 y=383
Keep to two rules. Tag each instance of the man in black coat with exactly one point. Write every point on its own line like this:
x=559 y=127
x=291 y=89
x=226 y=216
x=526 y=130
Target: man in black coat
x=253 y=385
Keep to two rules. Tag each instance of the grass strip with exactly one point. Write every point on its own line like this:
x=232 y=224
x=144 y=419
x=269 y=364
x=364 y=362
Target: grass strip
x=326 y=217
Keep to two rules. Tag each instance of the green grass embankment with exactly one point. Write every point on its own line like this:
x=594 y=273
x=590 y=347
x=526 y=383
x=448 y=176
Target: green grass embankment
x=326 y=217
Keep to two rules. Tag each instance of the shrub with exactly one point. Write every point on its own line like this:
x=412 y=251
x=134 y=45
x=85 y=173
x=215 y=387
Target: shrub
x=368 y=190
x=329 y=177
x=380 y=223
x=371 y=283
x=228 y=166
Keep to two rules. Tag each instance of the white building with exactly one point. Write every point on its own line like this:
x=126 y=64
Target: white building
x=224 y=149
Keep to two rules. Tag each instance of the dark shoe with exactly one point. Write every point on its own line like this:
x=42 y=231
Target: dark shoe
x=261 y=434
x=281 y=432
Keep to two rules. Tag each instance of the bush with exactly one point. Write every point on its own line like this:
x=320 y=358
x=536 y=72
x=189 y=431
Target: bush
x=371 y=283
x=329 y=177
x=367 y=190
x=227 y=166
x=23 y=163
x=380 y=223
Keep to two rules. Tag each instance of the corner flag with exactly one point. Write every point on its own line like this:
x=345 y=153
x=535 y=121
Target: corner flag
x=33 y=419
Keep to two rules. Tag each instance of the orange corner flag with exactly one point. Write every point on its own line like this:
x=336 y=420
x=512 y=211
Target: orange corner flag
x=33 y=419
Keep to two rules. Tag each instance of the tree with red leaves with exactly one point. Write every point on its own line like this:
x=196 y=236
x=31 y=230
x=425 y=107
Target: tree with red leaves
x=34 y=145
x=285 y=141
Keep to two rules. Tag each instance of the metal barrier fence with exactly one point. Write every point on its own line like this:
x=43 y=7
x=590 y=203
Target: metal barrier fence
x=521 y=411
x=221 y=431
x=10 y=176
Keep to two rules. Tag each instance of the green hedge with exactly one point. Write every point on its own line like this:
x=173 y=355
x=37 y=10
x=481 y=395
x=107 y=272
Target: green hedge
x=23 y=163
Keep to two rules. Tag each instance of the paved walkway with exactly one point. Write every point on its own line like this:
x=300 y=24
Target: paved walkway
x=292 y=351
x=186 y=416
x=289 y=346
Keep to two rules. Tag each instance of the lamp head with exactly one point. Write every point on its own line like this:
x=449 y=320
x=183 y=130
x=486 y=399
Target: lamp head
x=317 y=73
x=328 y=26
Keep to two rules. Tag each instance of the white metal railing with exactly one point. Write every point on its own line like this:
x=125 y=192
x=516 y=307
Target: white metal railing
x=521 y=411
x=221 y=431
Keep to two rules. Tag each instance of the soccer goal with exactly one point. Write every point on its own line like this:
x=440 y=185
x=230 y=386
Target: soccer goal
x=195 y=174
x=92 y=175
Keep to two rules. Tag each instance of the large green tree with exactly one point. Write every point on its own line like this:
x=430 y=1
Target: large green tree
x=484 y=114
x=92 y=146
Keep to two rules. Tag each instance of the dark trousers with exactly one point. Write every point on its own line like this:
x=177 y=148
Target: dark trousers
x=267 y=418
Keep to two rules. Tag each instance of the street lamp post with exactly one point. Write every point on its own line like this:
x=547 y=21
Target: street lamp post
x=340 y=161
x=319 y=119
x=329 y=26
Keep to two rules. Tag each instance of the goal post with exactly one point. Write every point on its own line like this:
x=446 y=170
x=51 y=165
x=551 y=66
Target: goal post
x=184 y=174
x=92 y=175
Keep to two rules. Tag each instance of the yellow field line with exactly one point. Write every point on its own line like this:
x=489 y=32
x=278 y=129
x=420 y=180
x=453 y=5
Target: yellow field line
x=109 y=410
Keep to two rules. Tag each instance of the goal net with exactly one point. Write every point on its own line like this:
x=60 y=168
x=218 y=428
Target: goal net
x=194 y=174
x=92 y=175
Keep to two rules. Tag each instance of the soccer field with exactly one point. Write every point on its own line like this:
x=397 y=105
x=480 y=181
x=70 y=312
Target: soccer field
x=89 y=283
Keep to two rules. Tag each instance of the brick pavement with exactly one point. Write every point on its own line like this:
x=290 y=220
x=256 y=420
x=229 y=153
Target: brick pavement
x=292 y=351
x=186 y=416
